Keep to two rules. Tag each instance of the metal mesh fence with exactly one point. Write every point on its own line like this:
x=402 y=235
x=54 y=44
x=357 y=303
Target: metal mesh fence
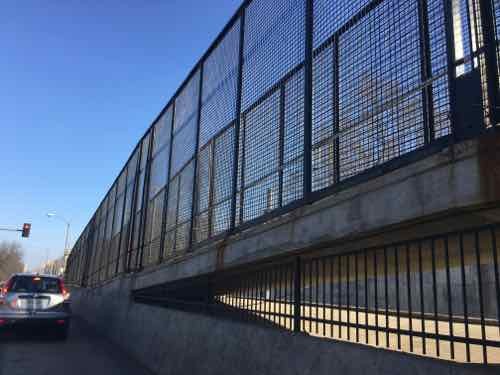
x=291 y=101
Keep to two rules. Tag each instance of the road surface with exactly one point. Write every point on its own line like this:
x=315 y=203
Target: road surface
x=85 y=352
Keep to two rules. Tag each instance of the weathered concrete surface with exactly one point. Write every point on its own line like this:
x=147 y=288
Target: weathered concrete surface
x=174 y=342
x=454 y=188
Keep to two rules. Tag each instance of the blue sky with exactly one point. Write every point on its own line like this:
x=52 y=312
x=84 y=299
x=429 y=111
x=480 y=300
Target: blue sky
x=80 y=81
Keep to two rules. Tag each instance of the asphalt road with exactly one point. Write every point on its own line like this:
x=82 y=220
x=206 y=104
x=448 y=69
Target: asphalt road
x=85 y=352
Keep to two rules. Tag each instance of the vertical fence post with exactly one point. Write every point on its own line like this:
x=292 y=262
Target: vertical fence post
x=450 y=56
x=124 y=197
x=89 y=252
x=426 y=72
x=335 y=110
x=133 y=207
x=489 y=41
x=167 y=187
x=308 y=92
x=297 y=295
x=281 y=146
x=195 y=167
x=237 y=125
x=145 y=200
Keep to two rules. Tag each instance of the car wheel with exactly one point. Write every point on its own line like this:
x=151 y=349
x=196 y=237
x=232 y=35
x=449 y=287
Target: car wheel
x=62 y=333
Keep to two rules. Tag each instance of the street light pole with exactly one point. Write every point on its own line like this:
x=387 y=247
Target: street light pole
x=66 y=244
x=66 y=237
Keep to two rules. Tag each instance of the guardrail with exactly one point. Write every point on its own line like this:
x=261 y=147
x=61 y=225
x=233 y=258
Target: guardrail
x=437 y=296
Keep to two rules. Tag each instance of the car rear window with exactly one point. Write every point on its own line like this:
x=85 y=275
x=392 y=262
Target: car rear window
x=35 y=284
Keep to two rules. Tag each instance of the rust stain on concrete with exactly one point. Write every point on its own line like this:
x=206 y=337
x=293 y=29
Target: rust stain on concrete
x=489 y=166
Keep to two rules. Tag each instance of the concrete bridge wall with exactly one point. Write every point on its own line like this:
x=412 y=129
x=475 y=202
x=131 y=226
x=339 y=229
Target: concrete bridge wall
x=175 y=342
x=453 y=189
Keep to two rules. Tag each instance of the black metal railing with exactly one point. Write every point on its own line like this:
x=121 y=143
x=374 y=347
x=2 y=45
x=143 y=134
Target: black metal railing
x=437 y=296
x=293 y=101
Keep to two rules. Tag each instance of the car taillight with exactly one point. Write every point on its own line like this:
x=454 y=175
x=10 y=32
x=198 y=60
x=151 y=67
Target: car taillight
x=64 y=291
x=7 y=287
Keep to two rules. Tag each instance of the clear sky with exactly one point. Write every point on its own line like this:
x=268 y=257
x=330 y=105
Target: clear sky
x=80 y=81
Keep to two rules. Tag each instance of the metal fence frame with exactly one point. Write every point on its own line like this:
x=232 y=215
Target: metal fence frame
x=376 y=296
x=91 y=261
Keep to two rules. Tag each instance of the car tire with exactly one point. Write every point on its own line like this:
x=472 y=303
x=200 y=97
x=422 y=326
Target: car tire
x=62 y=334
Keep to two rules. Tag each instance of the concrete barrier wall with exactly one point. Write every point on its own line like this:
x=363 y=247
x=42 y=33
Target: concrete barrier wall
x=175 y=342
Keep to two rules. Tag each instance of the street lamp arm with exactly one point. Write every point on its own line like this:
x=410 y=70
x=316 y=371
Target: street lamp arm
x=67 y=222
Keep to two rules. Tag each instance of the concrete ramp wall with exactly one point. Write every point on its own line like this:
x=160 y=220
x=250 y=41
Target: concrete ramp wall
x=175 y=342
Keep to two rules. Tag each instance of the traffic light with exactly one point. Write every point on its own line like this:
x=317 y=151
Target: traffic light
x=26 y=230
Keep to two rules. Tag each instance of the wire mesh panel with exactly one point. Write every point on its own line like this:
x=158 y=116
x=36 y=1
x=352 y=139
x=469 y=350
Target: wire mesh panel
x=214 y=186
x=185 y=124
x=180 y=197
x=291 y=156
x=331 y=15
x=108 y=243
x=127 y=212
x=158 y=178
x=261 y=147
x=324 y=114
x=140 y=203
x=271 y=135
x=179 y=210
x=274 y=45
x=380 y=102
x=203 y=191
x=223 y=174
x=215 y=163
x=438 y=61
x=372 y=81
x=219 y=87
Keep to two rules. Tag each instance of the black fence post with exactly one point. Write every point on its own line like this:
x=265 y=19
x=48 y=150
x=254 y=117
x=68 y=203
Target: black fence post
x=451 y=66
x=490 y=43
x=237 y=126
x=297 y=295
x=195 y=161
x=133 y=206
x=167 y=187
x=426 y=72
x=308 y=92
x=145 y=201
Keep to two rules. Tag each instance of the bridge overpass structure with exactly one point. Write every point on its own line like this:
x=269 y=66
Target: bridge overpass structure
x=320 y=194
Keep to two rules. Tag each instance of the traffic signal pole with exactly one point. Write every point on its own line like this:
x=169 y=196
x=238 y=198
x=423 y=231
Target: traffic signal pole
x=25 y=230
